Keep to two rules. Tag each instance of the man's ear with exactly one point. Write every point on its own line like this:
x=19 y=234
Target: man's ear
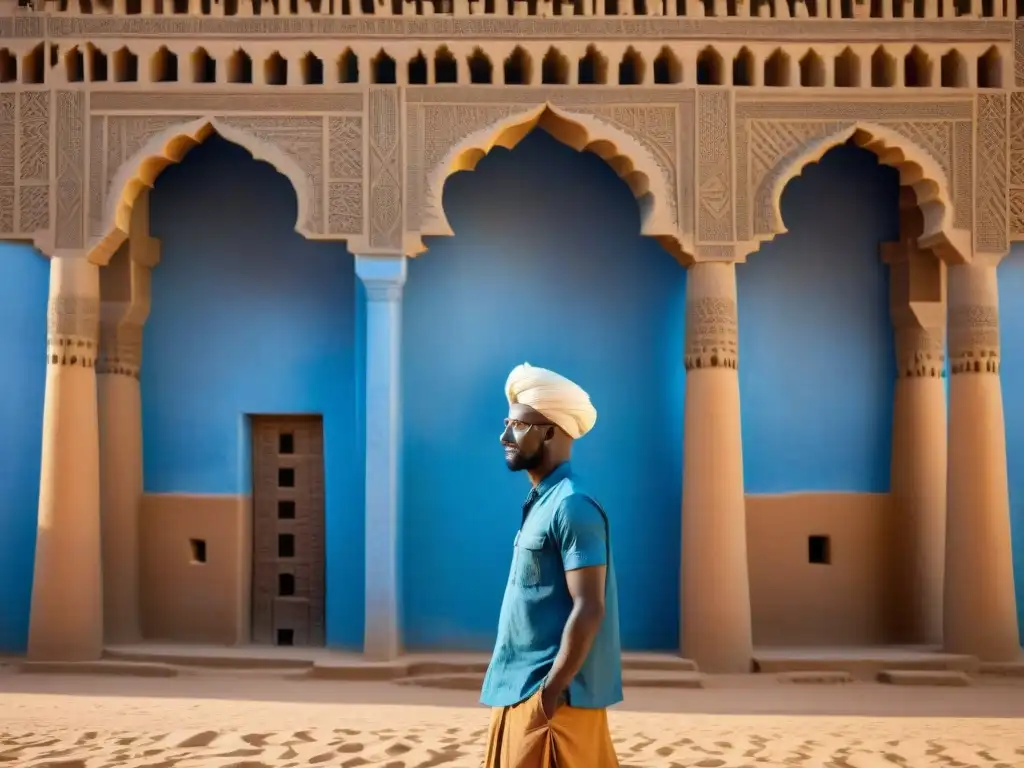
x=550 y=433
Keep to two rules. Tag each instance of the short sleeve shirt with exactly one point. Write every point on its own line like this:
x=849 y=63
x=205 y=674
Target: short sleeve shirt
x=565 y=529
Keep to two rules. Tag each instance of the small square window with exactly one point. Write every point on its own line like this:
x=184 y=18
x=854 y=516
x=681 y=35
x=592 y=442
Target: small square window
x=286 y=637
x=286 y=443
x=819 y=550
x=198 y=549
x=285 y=584
x=285 y=477
x=285 y=509
x=285 y=545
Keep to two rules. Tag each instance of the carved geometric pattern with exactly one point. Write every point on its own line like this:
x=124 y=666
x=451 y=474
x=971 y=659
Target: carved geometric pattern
x=973 y=339
x=34 y=136
x=70 y=169
x=222 y=103
x=345 y=168
x=491 y=27
x=33 y=209
x=7 y=210
x=711 y=333
x=72 y=330
x=385 y=165
x=714 y=167
x=7 y=143
x=97 y=186
x=120 y=349
x=990 y=219
x=1017 y=165
x=920 y=352
x=963 y=174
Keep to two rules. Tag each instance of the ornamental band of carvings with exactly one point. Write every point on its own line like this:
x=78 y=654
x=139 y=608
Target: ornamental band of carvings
x=714 y=167
x=72 y=331
x=345 y=175
x=1016 y=211
x=24 y=162
x=70 y=147
x=120 y=350
x=920 y=352
x=973 y=339
x=7 y=149
x=990 y=204
x=385 y=166
x=1018 y=54
x=496 y=27
x=711 y=333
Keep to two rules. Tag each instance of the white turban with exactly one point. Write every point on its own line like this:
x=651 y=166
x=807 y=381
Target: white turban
x=561 y=401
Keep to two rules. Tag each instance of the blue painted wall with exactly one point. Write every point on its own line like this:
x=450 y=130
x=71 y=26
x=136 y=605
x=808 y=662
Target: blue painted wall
x=546 y=266
x=24 y=285
x=817 y=364
x=1011 y=332
x=248 y=317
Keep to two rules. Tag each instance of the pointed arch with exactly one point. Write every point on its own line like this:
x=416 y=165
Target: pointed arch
x=647 y=169
x=169 y=147
x=918 y=169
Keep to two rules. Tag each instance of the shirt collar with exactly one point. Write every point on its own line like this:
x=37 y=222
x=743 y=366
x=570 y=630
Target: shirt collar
x=555 y=476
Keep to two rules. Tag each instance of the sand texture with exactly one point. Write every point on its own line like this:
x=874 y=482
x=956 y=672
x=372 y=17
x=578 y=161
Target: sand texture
x=88 y=722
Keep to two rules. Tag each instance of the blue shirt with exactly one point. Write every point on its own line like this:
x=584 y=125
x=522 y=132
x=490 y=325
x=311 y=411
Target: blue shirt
x=563 y=530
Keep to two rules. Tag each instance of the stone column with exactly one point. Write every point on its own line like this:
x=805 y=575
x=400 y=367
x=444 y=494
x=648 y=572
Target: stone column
x=125 y=294
x=66 y=623
x=715 y=614
x=383 y=278
x=980 y=611
x=918 y=465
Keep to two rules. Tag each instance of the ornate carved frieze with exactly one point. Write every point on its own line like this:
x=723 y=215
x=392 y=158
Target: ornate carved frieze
x=24 y=162
x=990 y=191
x=920 y=352
x=349 y=100
x=72 y=331
x=345 y=175
x=1016 y=202
x=71 y=179
x=711 y=333
x=973 y=339
x=1018 y=53
x=771 y=135
x=484 y=27
x=715 y=190
x=8 y=110
x=385 y=166
x=120 y=349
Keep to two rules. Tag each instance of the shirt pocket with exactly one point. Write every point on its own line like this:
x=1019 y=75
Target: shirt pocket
x=529 y=561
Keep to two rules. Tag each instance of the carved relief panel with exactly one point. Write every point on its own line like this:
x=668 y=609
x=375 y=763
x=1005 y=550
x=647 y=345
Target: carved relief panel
x=24 y=162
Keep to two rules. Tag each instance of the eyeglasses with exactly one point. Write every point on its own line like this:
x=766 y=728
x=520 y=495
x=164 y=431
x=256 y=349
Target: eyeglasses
x=522 y=426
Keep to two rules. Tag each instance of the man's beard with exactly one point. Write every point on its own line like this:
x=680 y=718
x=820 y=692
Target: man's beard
x=517 y=461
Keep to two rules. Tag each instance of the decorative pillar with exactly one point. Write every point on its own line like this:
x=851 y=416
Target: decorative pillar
x=125 y=294
x=980 y=611
x=383 y=278
x=66 y=622
x=918 y=465
x=715 y=614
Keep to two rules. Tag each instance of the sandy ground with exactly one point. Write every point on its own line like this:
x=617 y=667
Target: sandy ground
x=253 y=720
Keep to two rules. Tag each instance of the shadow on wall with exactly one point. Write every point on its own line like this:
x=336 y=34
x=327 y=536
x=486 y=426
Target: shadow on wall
x=1011 y=332
x=547 y=267
x=248 y=317
x=817 y=360
x=24 y=287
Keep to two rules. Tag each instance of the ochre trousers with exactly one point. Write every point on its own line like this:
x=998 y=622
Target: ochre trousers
x=521 y=736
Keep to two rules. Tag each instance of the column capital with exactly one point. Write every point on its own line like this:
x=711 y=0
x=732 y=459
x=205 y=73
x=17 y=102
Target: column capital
x=382 y=276
x=711 y=316
x=72 y=329
x=973 y=319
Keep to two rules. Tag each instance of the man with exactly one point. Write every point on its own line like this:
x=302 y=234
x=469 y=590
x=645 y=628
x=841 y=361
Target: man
x=556 y=665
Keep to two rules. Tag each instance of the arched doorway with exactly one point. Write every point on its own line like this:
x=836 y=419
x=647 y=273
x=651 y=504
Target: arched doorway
x=547 y=266
x=817 y=385
x=250 y=351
